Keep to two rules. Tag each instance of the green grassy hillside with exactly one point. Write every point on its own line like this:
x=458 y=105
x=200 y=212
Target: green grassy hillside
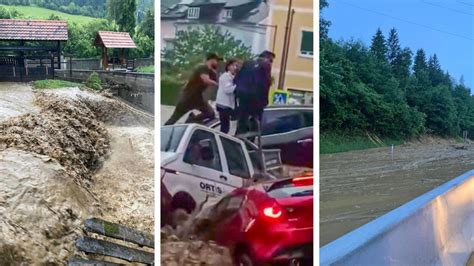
x=43 y=13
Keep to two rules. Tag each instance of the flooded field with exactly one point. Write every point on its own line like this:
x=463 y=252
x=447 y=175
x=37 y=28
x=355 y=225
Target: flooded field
x=357 y=187
x=67 y=155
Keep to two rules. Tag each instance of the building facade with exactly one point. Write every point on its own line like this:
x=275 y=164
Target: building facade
x=299 y=68
x=244 y=19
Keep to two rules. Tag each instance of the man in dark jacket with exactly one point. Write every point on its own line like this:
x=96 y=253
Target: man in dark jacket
x=191 y=97
x=252 y=87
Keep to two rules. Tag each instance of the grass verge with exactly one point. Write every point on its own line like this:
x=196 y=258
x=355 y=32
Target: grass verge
x=34 y=12
x=146 y=69
x=54 y=84
x=334 y=143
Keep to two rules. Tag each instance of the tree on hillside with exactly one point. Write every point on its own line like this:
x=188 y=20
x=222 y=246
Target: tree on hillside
x=401 y=67
x=323 y=24
x=142 y=7
x=379 y=46
x=81 y=38
x=435 y=73
x=145 y=46
x=420 y=65
x=123 y=13
x=441 y=116
x=393 y=45
x=9 y=14
x=147 y=26
x=464 y=103
x=54 y=17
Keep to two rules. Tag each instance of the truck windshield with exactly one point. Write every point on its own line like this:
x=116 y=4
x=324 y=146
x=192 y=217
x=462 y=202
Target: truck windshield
x=171 y=137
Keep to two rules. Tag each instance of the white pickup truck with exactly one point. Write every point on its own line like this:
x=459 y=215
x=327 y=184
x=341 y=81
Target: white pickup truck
x=197 y=161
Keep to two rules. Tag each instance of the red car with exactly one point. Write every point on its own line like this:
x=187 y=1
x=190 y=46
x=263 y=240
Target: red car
x=268 y=223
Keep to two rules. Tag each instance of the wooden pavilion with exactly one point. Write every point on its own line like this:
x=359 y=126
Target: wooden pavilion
x=110 y=40
x=34 y=41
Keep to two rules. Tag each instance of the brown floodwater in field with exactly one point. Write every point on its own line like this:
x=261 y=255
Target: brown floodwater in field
x=359 y=186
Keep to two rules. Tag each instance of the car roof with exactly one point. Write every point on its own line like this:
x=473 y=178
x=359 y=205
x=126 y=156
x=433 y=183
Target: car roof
x=289 y=106
x=199 y=126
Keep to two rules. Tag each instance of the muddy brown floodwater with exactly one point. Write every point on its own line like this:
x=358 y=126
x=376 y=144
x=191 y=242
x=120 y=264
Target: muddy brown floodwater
x=357 y=187
x=67 y=155
x=16 y=99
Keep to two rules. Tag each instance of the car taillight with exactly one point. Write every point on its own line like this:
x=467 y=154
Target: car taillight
x=273 y=212
x=303 y=181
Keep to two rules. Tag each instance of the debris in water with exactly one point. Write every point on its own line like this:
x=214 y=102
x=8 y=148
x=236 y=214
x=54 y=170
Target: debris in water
x=191 y=252
x=40 y=210
x=49 y=159
x=65 y=130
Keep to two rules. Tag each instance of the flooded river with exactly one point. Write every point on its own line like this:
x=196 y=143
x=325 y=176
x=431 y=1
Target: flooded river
x=67 y=155
x=357 y=187
x=16 y=99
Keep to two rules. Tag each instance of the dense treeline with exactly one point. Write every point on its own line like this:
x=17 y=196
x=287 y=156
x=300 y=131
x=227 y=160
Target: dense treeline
x=388 y=90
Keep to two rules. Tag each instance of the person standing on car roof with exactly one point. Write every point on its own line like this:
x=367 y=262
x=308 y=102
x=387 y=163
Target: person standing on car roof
x=225 y=100
x=252 y=87
x=191 y=96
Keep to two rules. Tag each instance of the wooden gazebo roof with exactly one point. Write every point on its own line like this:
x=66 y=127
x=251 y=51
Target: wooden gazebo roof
x=33 y=30
x=112 y=39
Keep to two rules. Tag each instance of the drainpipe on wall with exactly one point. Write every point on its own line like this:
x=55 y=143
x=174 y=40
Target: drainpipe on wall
x=283 y=56
x=283 y=71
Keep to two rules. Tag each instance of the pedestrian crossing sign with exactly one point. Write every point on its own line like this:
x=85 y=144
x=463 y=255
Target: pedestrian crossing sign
x=279 y=97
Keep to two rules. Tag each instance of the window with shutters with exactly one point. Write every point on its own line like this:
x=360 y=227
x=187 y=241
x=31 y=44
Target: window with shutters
x=193 y=12
x=228 y=14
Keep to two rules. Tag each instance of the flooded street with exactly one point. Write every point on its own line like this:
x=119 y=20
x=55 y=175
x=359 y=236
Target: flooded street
x=359 y=186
